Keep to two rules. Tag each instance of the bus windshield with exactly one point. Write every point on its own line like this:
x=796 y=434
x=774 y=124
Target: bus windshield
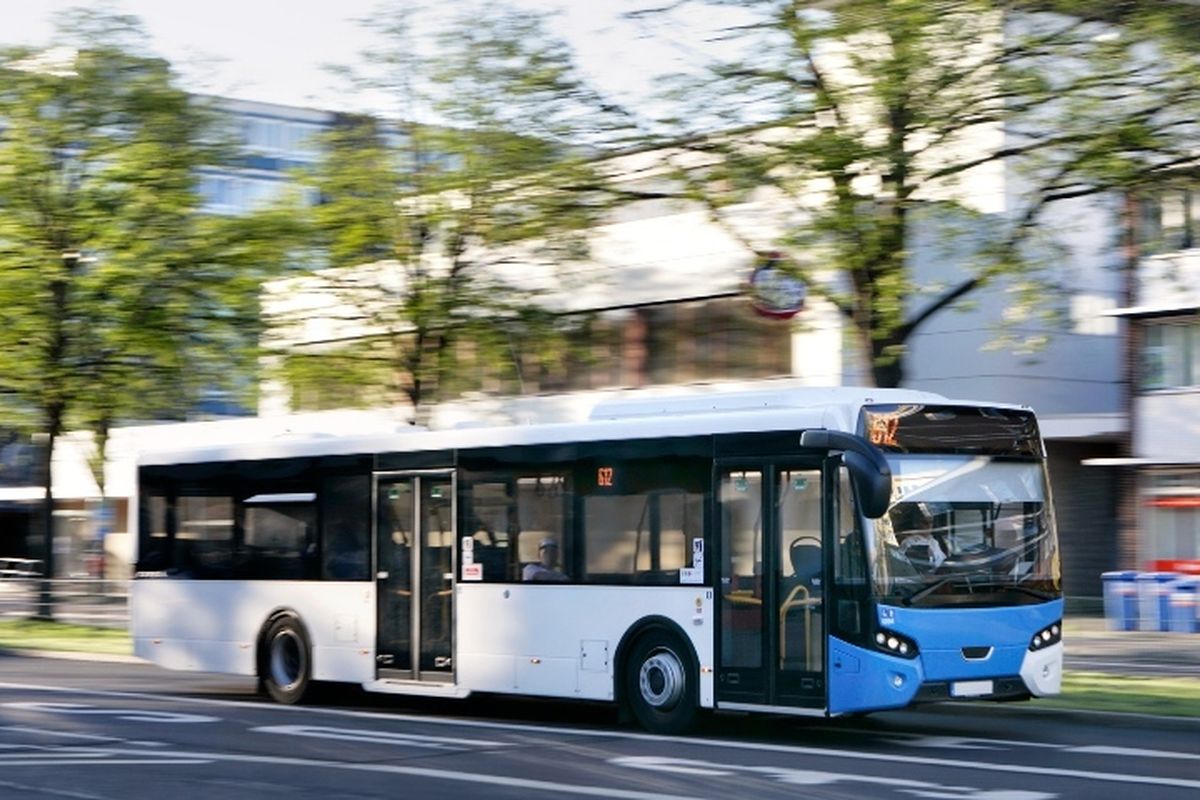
x=965 y=530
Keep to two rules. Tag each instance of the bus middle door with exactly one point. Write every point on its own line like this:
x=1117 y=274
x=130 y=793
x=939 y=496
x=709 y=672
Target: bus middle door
x=772 y=630
x=414 y=576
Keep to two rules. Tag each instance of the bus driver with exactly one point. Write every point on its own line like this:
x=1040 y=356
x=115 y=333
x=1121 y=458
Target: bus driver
x=545 y=568
x=918 y=541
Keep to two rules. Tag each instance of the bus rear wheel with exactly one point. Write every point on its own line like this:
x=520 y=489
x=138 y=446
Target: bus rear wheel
x=661 y=683
x=285 y=666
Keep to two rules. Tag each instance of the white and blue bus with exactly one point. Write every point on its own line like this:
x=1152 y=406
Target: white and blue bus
x=819 y=552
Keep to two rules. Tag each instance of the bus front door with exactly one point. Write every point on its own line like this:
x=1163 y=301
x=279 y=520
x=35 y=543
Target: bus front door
x=414 y=575
x=772 y=632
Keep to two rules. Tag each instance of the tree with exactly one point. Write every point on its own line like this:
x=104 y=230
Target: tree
x=863 y=118
x=483 y=165
x=121 y=299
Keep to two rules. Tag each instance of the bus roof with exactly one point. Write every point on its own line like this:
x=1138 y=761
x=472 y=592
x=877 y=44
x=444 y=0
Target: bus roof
x=640 y=416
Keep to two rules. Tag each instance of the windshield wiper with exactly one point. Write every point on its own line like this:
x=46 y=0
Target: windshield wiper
x=1031 y=592
x=925 y=591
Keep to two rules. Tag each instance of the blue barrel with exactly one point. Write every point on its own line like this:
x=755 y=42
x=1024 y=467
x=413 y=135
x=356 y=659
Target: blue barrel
x=1154 y=596
x=1120 y=600
x=1183 y=606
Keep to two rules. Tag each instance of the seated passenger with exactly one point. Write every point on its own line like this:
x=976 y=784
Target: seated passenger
x=545 y=569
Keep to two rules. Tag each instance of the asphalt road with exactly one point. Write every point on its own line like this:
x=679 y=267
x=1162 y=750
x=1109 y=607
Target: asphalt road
x=78 y=729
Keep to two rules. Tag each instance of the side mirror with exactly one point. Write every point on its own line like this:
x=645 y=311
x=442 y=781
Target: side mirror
x=868 y=467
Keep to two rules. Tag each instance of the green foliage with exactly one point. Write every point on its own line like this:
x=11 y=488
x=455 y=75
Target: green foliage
x=1129 y=694
x=439 y=232
x=28 y=634
x=867 y=117
x=121 y=299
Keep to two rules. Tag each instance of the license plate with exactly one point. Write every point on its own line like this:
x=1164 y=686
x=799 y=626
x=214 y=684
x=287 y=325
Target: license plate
x=971 y=688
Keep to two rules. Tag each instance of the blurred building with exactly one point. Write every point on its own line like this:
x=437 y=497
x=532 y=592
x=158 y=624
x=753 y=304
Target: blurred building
x=274 y=141
x=1164 y=323
x=664 y=301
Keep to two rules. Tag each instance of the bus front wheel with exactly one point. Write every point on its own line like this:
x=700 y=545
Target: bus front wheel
x=285 y=667
x=661 y=683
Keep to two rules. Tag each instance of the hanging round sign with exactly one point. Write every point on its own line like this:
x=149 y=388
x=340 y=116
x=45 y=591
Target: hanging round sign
x=774 y=292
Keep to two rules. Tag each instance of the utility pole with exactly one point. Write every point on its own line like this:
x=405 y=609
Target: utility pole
x=1128 y=535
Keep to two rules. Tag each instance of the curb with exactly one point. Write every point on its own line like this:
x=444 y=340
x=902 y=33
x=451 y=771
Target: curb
x=1113 y=715
x=73 y=655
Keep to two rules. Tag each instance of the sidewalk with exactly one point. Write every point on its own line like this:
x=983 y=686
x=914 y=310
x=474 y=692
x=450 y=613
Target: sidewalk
x=1090 y=645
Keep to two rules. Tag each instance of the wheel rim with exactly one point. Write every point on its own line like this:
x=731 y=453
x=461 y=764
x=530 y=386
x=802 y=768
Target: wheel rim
x=662 y=680
x=287 y=659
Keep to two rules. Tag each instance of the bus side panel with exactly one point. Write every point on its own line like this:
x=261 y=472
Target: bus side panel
x=561 y=641
x=213 y=626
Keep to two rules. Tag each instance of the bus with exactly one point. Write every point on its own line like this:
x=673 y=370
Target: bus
x=811 y=552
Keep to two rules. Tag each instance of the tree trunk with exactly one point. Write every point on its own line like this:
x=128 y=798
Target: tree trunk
x=888 y=374
x=887 y=359
x=45 y=609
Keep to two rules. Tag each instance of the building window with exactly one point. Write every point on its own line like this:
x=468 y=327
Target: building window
x=1170 y=221
x=1171 y=506
x=1171 y=355
x=715 y=339
x=295 y=140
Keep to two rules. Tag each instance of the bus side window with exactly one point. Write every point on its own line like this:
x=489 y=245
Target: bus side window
x=642 y=519
x=541 y=514
x=505 y=515
x=345 y=539
x=155 y=533
x=204 y=541
x=279 y=538
x=484 y=513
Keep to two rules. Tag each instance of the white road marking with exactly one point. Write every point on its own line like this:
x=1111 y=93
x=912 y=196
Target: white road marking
x=807 y=777
x=67 y=761
x=968 y=743
x=38 y=756
x=31 y=791
x=381 y=737
x=68 y=735
x=61 y=734
x=134 y=715
x=455 y=775
x=1136 y=752
x=823 y=752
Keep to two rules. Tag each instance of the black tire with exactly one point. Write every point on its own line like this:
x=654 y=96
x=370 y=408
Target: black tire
x=285 y=666
x=661 y=685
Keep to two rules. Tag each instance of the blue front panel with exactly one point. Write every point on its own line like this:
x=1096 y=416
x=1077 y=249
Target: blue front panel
x=863 y=679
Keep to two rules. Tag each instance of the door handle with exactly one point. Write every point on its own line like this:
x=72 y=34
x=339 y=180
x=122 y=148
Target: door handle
x=382 y=575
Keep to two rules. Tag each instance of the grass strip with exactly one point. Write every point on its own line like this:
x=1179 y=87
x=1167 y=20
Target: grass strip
x=1131 y=694
x=31 y=634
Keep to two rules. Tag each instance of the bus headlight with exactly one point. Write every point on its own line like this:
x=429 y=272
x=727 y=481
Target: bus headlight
x=1051 y=634
x=895 y=644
